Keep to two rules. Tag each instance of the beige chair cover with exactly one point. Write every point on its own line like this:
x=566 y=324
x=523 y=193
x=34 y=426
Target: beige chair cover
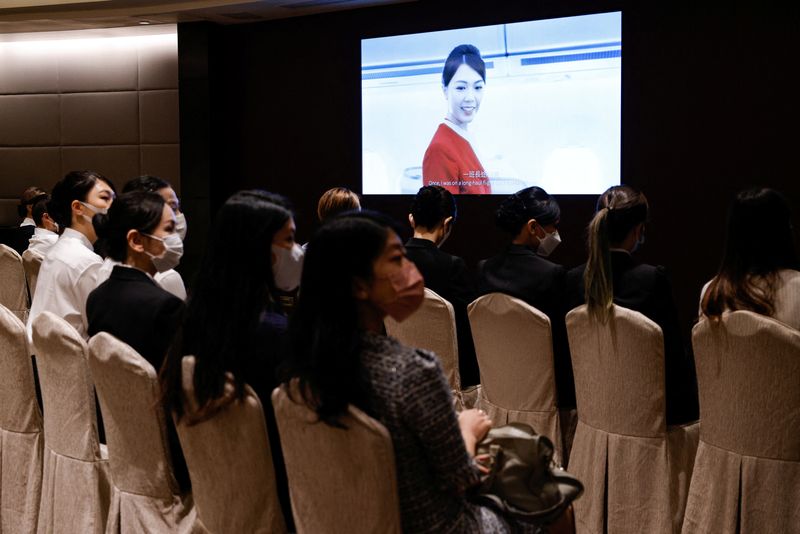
x=747 y=473
x=432 y=327
x=76 y=487
x=340 y=481
x=32 y=262
x=145 y=495
x=636 y=473
x=21 y=437
x=515 y=355
x=14 y=288
x=230 y=463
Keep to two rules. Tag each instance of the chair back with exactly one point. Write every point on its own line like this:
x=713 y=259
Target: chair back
x=432 y=327
x=748 y=375
x=619 y=372
x=19 y=409
x=230 y=464
x=134 y=420
x=70 y=416
x=341 y=480
x=14 y=289
x=514 y=346
x=32 y=262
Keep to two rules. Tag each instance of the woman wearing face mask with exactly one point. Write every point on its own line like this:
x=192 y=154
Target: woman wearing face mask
x=170 y=280
x=450 y=160
x=612 y=275
x=432 y=216
x=356 y=274
x=233 y=321
x=69 y=272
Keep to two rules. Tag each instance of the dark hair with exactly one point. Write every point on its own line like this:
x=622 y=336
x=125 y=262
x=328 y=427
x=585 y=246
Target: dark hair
x=39 y=209
x=30 y=196
x=335 y=201
x=619 y=210
x=529 y=203
x=432 y=205
x=145 y=182
x=460 y=55
x=137 y=210
x=759 y=242
x=324 y=334
x=75 y=185
x=228 y=299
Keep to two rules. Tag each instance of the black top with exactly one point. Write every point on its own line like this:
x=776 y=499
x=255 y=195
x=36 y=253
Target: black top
x=520 y=272
x=447 y=276
x=647 y=290
x=17 y=237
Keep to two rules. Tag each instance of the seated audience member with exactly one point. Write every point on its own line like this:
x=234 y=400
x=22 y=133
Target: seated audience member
x=355 y=275
x=170 y=280
x=18 y=238
x=335 y=201
x=612 y=275
x=759 y=270
x=233 y=321
x=522 y=270
x=46 y=233
x=432 y=216
x=69 y=271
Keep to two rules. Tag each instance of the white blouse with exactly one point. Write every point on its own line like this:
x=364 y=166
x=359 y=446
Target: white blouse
x=169 y=280
x=42 y=240
x=67 y=276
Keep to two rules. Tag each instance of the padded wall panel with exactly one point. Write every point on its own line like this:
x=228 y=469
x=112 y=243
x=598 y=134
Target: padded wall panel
x=21 y=167
x=99 y=66
x=118 y=163
x=29 y=120
x=163 y=161
x=8 y=212
x=100 y=118
x=158 y=64
x=27 y=70
x=158 y=116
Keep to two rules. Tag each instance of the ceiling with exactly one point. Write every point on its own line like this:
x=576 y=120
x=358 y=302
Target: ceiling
x=49 y=15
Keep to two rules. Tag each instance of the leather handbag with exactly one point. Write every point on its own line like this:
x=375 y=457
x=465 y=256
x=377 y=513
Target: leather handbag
x=523 y=481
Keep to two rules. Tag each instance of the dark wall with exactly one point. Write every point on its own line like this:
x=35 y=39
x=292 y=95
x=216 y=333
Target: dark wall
x=709 y=106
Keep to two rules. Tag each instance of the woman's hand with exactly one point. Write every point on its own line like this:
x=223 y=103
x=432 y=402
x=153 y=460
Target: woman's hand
x=474 y=426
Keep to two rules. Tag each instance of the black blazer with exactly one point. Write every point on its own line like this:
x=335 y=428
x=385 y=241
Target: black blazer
x=647 y=290
x=520 y=272
x=133 y=308
x=447 y=276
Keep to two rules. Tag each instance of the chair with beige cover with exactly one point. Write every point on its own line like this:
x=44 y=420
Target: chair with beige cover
x=514 y=347
x=21 y=437
x=14 y=287
x=432 y=327
x=635 y=470
x=76 y=488
x=746 y=476
x=341 y=481
x=32 y=262
x=230 y=464
x=145 y=495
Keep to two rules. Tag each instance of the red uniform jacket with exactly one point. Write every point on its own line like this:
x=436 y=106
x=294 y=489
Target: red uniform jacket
x=451 y=163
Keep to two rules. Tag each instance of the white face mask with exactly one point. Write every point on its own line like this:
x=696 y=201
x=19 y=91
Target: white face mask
x=180 y=225
x=173 y=250
x=94 y=209
x=548 y=244
x=288 y=266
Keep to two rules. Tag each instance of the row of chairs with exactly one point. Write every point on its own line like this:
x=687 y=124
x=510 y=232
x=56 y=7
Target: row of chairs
x=739 y=468
x=19 y=274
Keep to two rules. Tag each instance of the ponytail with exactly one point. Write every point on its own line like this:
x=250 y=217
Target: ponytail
x=597 y=276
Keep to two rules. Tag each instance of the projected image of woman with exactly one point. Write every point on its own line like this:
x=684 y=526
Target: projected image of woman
x=450 y=160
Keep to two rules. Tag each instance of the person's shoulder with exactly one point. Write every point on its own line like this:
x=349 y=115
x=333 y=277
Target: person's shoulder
x=789 y=278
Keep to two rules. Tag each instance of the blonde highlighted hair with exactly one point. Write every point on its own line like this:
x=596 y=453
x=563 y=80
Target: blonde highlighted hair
x=335 y=201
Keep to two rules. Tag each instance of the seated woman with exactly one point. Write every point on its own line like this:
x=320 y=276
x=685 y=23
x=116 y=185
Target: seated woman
x=531 y=217
x=759 y=270
x=69 y=272
x=432 y=216
x=612 y=275
x=233 y=321
x=355 y=274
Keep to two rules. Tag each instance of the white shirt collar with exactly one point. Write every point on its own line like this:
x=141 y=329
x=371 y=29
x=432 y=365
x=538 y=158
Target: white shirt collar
x=44 y=232
x=69 y=233
x=28 y=222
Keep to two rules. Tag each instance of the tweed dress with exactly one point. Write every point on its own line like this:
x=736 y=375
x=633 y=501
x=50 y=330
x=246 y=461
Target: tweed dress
x=410 y=397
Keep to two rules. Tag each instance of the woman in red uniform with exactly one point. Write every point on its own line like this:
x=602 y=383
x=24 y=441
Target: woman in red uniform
x=450 y=160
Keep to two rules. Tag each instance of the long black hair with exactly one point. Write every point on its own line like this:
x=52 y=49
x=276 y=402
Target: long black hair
x=229 y=296
x=75 y=185
x=130 y=211
x=324 y=335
